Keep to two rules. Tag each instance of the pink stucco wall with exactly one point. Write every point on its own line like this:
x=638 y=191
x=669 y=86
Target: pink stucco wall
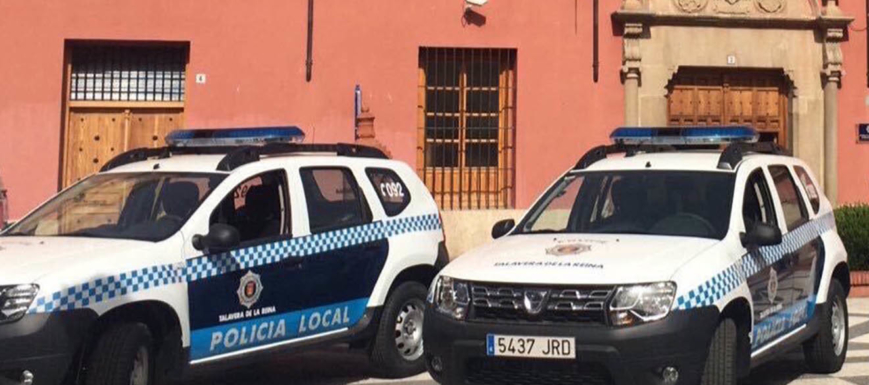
x=253 y=54
x=853 y=109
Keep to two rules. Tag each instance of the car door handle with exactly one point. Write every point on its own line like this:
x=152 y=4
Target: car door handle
x=293 y=263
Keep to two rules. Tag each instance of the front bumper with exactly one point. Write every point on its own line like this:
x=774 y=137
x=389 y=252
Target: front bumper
x=605 y=355
x=44 y=344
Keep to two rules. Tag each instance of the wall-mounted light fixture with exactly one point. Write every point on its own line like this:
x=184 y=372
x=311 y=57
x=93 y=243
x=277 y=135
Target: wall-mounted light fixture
x=474 y=3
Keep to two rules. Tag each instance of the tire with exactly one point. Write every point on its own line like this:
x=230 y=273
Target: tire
x=404 y=310
x=118 y=358
x=720 y=366
x=823 y=355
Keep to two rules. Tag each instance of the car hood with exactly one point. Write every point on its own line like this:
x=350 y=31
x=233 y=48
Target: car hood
x=26 y=259
x=578 y=259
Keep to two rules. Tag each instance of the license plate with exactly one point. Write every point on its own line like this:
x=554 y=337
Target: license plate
x=530 y=347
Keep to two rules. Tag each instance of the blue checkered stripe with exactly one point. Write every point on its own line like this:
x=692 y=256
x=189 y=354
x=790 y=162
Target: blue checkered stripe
x=211 y=266
x=107 y=288
x=736 y=274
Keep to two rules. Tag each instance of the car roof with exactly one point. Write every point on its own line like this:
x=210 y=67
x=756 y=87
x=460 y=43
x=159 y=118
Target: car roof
x=207 y=163
x=686 y=160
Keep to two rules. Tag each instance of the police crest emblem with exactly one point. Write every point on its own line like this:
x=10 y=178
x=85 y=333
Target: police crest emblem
x=249 y=289
x=772 y=286
x=568 y=249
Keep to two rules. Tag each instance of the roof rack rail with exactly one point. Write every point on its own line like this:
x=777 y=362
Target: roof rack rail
x=601 y=152
x=136 y=155
x=236 y=156
x=735 y=152
x=240 y=156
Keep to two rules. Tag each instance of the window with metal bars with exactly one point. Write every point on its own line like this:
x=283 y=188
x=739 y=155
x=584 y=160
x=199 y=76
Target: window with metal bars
x=128 y=73
x=467 y=109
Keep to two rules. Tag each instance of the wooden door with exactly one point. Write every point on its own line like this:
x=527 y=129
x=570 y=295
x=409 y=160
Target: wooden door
x=719 y=97
x=96 y=135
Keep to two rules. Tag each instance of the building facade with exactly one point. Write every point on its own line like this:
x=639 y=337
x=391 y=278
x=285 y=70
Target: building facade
x=488 y=104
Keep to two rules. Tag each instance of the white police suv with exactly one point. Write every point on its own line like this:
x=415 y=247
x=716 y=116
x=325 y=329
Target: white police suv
x=676 y=263
x=223 y=244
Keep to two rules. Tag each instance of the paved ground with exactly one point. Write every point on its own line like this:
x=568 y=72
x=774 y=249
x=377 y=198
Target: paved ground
x=337 y=367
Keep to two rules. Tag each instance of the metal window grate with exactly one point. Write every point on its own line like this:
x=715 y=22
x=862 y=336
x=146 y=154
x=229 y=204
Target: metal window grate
x=128 y=73
x=467 y=100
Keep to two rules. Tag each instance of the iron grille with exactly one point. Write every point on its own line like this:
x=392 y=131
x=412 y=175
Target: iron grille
x=467 y=109
x=495 y=303
x=128 y=73
x=493 y=371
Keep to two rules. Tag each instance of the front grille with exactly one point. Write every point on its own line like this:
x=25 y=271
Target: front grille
x=492 y=371
x=490 y=302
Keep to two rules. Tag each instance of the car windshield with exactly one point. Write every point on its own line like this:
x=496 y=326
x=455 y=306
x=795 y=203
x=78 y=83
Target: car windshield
x=139 y=206
x=676 y=203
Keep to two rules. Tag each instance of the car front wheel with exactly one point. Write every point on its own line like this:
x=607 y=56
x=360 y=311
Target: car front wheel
x=122 y=356
x=720 y=366
x=398 y=347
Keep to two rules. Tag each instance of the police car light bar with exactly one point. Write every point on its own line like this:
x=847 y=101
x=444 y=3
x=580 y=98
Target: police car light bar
x=235 y=136
x=684 y=136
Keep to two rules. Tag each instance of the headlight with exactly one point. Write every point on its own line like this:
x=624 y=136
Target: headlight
x=15 y=301
x=637 y=304
x=450 y=297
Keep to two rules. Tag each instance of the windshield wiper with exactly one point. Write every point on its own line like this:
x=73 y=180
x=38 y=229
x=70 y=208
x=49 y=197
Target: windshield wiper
x=17 y=234
x=541 y=231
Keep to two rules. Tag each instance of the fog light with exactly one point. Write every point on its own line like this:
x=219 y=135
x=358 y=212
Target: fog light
x=26 y=378
x=670 y=375
x=437 y=364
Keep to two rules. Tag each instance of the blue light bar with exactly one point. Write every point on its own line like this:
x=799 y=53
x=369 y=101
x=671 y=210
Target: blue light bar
x=235 y=136
x=684 y=136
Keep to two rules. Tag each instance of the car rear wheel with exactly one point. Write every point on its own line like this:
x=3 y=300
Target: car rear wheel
x=398 y=347
x=826 y=351
x=720 y=366
x=122 y=356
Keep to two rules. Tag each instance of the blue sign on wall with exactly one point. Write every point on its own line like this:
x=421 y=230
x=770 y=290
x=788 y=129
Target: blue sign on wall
x=863 y=132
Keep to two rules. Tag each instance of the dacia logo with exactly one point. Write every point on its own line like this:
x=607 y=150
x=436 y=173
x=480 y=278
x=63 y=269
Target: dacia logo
x=535 y=300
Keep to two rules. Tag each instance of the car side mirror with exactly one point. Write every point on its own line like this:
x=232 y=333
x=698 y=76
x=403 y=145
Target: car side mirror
x=502 y=227
x=761 y=235
x=220 y=237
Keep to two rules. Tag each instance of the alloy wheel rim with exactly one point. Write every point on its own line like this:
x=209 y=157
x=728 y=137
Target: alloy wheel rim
x=139 y=374
x=839 y=331
x=408 y=330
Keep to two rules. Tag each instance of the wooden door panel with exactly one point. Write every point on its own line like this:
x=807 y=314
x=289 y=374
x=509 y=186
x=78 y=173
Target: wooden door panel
x=148 y=128
x=712 y=97
x=95 y=136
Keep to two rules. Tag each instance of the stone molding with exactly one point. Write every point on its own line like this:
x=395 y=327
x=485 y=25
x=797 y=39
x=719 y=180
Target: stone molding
x=631 y=52
x=833 y=34
x=764 y=21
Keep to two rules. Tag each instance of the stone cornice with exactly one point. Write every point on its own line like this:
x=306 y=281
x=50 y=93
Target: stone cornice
x=649 y=18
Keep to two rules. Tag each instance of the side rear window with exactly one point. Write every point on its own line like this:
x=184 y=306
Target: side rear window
x=333 y=198
x=792 y=202
x=811 y=189
x=391 y=190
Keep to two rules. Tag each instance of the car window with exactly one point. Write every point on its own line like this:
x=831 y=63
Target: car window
x=390 y=189
x=792 y=202
x=811 y=189
x=258 y=207
x=676 y=203
x=333 y=199
x=140 y=206
x=757 y=202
